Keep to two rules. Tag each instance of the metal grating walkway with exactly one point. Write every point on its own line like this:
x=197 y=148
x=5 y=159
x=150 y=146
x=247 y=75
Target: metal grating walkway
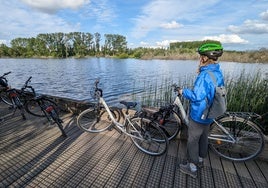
x=33 y=154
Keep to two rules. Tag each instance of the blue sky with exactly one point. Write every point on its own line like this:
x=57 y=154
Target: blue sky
x=238 y=24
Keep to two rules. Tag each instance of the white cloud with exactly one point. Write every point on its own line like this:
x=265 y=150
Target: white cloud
x=3 y=42
x=51 y=6
x=157 y=12
x=99 y=10
x=17 y=21
x=227 y=39
x=165 y=43
x=171 y=25
x=251 y=27
x=264 y=15
x=143 y=44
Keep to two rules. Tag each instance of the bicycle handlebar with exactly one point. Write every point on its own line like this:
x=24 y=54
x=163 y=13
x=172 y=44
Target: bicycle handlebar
x=27 y=86
x=5 y=74
x=176 y=88
x=98 y=91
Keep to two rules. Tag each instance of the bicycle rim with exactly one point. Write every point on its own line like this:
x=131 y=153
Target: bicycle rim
x=147 y=136
x=171 y=125
x=58 y=121
x=249 y=141
x=94 y=120
x=20 y=107
x=32 y=106
x=5 y=99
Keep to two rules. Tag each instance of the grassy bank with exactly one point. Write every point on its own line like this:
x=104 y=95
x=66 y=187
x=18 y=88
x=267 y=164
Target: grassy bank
x=246 y=93
x=260 y=56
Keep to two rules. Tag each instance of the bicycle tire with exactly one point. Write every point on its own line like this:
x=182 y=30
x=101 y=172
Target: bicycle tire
x=249 y=140
x=147 y=136
x=32 y=106
x=20 y=106
x=5 y=98
x=95 y=121
x=171 y=125
x=58 y=121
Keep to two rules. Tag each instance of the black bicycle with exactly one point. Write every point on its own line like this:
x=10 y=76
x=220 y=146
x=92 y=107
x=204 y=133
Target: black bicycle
x=3 y=94
x=10 y=96
x=40 y=105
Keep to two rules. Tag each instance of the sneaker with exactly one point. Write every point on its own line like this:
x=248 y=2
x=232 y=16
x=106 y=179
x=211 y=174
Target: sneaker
x=187 y=170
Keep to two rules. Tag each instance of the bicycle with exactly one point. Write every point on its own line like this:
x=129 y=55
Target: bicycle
x=233 y=136
x=146 y=135
x=10 y=96
x=40 y=105
x=165 y=116
x=3 y=94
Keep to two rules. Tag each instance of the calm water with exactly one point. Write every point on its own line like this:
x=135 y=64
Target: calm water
x=74 y=78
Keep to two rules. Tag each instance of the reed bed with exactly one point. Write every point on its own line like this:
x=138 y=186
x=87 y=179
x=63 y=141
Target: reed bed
x=245 y=93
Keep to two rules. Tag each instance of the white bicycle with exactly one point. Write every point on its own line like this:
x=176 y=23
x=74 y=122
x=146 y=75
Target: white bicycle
x=144 y=133
x=234 y=136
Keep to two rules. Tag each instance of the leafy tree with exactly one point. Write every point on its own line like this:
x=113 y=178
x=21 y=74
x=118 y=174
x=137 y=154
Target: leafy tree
x=4 y=50
x=97 y=37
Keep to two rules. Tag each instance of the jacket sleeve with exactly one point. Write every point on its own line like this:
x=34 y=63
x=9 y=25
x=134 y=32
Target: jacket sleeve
x=199 y=91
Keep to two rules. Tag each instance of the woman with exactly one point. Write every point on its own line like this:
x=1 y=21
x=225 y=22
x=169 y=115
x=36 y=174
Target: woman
x=200 y=97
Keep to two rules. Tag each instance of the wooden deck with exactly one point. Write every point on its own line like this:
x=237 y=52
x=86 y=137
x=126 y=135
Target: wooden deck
x=34 y=154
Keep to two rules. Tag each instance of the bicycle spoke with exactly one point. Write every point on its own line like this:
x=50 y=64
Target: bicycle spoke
x=248 y=140
x=148 y=137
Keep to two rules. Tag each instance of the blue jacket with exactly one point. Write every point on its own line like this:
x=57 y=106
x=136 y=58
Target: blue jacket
x=203 y=92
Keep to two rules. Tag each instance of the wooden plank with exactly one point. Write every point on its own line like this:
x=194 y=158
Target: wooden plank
x=95 y=163
x=217 y=171
x=263 y=166
x=230 y=173
x=206 y=176
x=244 y=175
x=167 y=178
x=132 y=170
x=256 y=174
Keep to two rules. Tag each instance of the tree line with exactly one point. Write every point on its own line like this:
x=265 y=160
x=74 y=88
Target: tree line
x=79 y=44
x=63 y=45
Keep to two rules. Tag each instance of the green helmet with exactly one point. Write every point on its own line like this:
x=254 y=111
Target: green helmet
x=211 y=50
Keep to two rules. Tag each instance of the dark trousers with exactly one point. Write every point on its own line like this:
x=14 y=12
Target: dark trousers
x=197 y=143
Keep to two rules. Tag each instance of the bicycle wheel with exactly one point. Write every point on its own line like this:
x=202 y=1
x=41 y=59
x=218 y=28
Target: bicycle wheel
x=248 y=139
x=170 y=125
x=58 y=121
x=93 y=120
x=33 y=106
x=19 y=106
x=5 y=98
x=147 y=136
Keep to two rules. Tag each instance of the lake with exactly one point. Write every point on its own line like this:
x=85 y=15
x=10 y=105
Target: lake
x=120 y=78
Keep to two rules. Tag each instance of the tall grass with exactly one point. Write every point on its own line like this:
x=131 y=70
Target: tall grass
x=245 y=93
x=248 y=93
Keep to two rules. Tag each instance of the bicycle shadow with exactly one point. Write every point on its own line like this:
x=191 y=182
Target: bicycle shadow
x=26 y=173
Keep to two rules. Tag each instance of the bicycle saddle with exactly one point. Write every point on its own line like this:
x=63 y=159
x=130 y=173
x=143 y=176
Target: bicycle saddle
x=128 y=104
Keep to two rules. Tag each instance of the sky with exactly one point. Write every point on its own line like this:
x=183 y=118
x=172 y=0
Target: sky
x=237 y=24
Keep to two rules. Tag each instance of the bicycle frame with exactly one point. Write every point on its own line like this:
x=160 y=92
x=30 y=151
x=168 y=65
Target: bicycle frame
x=121 y=127
x=218 y=137
x=182 y=112
x=178 y=103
